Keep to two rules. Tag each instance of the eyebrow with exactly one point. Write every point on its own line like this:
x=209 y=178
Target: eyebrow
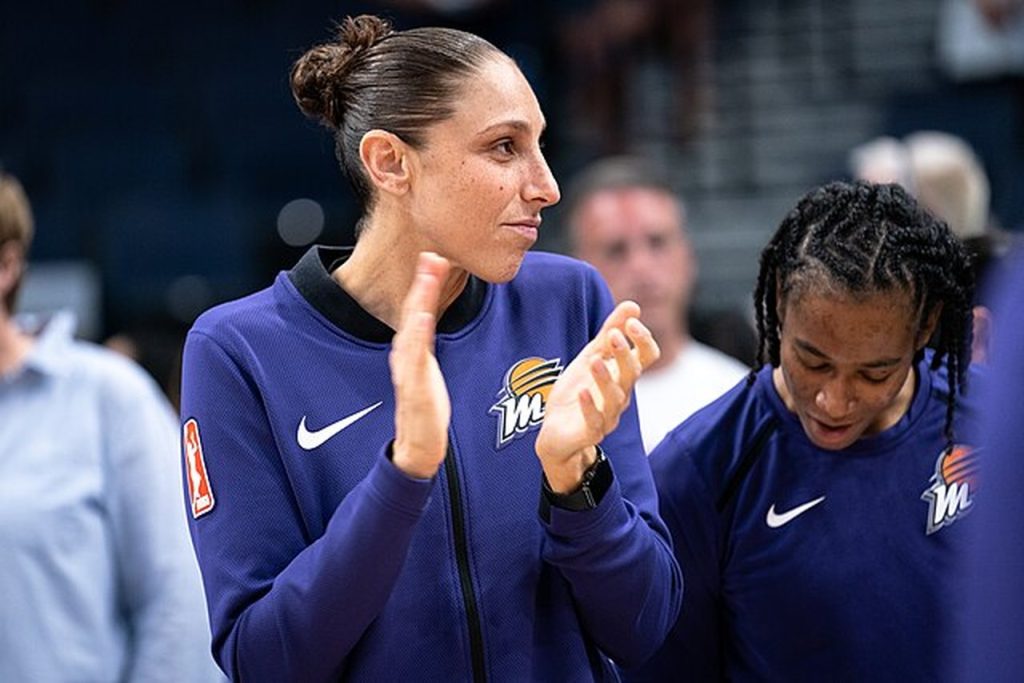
x=516 y=124
x=811 y=349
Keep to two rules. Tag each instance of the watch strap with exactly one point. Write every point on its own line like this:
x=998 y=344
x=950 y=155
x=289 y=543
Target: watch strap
x=596 y=481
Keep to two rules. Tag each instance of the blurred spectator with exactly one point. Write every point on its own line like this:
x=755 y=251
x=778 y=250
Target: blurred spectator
x=981 y=39
x=980 y=49
x=602 y=44
x=882 y=160
x=625 y=219
x=949 y=180
x=98 y=581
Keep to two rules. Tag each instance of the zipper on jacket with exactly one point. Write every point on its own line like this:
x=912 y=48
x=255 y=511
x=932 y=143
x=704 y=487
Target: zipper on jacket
x=476 y=636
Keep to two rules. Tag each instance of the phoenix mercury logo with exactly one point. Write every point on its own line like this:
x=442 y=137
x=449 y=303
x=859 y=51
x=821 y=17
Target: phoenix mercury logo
x=952 y=488
x=524 y=396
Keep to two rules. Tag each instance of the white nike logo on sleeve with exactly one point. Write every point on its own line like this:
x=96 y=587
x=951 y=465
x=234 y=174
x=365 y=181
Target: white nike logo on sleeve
x=310 y=440
x=775 y=520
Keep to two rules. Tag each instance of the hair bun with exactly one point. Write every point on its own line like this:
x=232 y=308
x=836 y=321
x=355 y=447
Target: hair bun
x=362 y=32
x=318 y=77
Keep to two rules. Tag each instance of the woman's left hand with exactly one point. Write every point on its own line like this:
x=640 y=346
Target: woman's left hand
x=586 y=402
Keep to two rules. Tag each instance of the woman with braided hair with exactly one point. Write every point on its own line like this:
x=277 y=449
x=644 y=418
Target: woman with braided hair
x=816 y=508
x=367 y=439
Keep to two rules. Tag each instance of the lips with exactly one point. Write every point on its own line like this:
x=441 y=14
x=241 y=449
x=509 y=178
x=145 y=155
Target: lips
x=828 y=435
x=527 y=227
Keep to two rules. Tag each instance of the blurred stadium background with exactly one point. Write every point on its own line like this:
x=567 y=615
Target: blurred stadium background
x=169 y=169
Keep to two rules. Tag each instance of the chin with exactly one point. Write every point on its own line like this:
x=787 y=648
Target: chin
x=500 y=274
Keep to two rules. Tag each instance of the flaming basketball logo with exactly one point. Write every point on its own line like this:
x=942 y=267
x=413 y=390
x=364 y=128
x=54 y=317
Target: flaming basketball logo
x=953 y=485
x=523 y=397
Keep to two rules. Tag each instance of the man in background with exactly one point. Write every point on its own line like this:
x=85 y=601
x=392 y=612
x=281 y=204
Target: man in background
x=625 y=219
x=98 y=580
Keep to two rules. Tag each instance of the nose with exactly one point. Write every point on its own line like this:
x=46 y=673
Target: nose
x=542 y=186
x=641 y=260
x=834 y=399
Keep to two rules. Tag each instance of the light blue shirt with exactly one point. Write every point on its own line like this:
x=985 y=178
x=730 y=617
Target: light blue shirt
x=98 y=580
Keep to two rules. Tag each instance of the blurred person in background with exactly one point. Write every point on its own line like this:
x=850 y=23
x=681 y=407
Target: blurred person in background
x=98 y=581
x=602 y=46
x=948 y=179
x=626 y=221
x=981 y=39
x=820 y=511
x=991 y=643
x=882 y=160
x=368 y=438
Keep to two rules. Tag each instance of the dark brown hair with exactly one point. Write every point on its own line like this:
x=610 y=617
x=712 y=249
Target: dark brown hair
x=372 y=77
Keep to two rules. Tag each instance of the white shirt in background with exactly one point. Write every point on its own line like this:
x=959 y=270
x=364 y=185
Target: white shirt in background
x=667 y=396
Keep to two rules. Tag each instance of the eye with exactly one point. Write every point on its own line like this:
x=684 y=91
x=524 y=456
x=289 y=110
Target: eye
x=814 y=367
x=505 y=147
x=616 y=251
x=657 y=242
x=876 y=378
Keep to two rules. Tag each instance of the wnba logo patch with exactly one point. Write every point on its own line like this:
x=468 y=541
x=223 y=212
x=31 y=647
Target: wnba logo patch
x=953 y=485
x=524 y=396
x=200 y=491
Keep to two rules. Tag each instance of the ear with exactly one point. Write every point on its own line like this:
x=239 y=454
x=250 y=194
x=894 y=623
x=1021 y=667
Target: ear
x=12 y=265
x=690 y=264
x=928 y=329
x=982 y=334
x=385 y=157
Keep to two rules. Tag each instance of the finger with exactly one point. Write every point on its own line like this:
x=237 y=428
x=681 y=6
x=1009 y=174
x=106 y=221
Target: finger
x=646 y=348
x=615 y=320
x=618 y=317
x=425 y=290
x=611 y=397
x=627 y=362
x=432 y=263
x=415 y=329
x=592 y=416
x=414 y=340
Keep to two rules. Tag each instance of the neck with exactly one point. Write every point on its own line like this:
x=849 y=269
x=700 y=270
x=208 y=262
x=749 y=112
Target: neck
x=381 y=270
x=14 y=345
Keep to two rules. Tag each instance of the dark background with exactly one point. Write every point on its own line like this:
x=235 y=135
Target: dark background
x=159 y=142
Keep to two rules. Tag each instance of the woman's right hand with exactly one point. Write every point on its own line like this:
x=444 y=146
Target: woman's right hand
x=422 y=407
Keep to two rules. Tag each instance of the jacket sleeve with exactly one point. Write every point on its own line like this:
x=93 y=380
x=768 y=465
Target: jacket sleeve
x=617 y=557
x=159 y=584
x=283 y=605
x=693 y=649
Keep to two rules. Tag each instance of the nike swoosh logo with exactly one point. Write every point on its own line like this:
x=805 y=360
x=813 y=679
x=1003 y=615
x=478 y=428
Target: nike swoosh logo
x=775 y=520
x=310 y=440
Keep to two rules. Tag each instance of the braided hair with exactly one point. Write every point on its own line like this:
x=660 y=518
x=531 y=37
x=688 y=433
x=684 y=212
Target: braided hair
x=863 y=238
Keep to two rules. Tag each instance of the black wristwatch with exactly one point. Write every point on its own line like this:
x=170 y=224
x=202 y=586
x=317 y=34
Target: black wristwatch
x=595 y=483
